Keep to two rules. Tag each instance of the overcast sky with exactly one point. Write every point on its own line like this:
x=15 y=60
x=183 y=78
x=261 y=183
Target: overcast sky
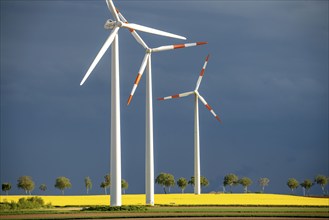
x=267 y=78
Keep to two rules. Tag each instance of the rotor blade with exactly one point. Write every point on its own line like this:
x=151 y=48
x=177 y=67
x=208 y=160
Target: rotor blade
x=176 y=96
x=177 y=46
x=106 y=45
x=209 y=108
x=139 y=76
x=202 y=73
x=151 y=30
x=112 y=9
x=133 y=32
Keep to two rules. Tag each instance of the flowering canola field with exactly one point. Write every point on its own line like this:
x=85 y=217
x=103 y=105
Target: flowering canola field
x=183 y=199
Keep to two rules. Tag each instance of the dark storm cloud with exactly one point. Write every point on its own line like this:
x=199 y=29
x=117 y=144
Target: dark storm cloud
x=267 y=78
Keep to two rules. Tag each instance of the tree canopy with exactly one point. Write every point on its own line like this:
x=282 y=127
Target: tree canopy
x=165 y=180
x=203 y=181
x=6 y=187
x=43 y=187
x=307 y=184
x=26 y=183
x=230 y=180
x=322 y=181
x=292 y=183
x=124 y=185
x=263 y=181
x=106 y=183
x=182 y=183
x=245 y=182
x=88 y=184
x=62 y=183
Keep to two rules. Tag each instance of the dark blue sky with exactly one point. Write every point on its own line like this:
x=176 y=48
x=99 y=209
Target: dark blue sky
x=267 y=78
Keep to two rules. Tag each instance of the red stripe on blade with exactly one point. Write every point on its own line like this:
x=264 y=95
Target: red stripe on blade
x=129 y=99
x=161 y=99
x=207 y=57
x=208 y=107
x=177 y=46
x=200 y=43
x=202 y=72
x=175 y=96
x=218 y=119
x=138 y=78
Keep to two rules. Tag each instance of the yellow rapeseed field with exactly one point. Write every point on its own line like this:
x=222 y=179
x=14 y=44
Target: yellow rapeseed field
x=183 y=199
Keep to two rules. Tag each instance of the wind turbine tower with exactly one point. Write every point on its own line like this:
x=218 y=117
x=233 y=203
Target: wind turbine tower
x=197 y=96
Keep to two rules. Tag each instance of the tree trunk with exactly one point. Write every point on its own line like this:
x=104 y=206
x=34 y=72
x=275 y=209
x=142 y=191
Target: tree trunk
x=105 y=191
x=62 y=192
x=164 y=189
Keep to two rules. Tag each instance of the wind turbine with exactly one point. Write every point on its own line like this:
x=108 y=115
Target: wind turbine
x=197 y=96
x=149 y=153
x=113 y=40
x=149 y=166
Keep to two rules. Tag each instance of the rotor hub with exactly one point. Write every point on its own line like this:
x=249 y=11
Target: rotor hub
x=110 y=24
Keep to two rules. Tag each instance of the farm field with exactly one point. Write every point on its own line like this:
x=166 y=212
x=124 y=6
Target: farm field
x=173 y=206
x=249 y=199
x=178 y=212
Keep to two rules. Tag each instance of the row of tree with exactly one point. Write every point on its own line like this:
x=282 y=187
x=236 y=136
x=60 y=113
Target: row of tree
x=27 y=184
x=292 y=183
x=307 y=184
x=167 y=181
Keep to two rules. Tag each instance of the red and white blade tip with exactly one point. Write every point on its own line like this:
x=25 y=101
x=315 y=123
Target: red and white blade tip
x=129 y=99
x=207 y=58
x=178 y=46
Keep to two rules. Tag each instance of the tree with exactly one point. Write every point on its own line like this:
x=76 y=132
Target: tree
x=263 y=181
x=26 y=183
x=6 y=187
x=88 y=184
x=322 y=181
x=245 y=182
x=165 y=180
x=43 y=187
x=182 y=183
x=203 y=181
x=103 y=185
x=106 y=183
x=62 y=183
x=107 y=179
x=307 y=184
x=230 y=180
x=292 y=184
x=124 y=185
